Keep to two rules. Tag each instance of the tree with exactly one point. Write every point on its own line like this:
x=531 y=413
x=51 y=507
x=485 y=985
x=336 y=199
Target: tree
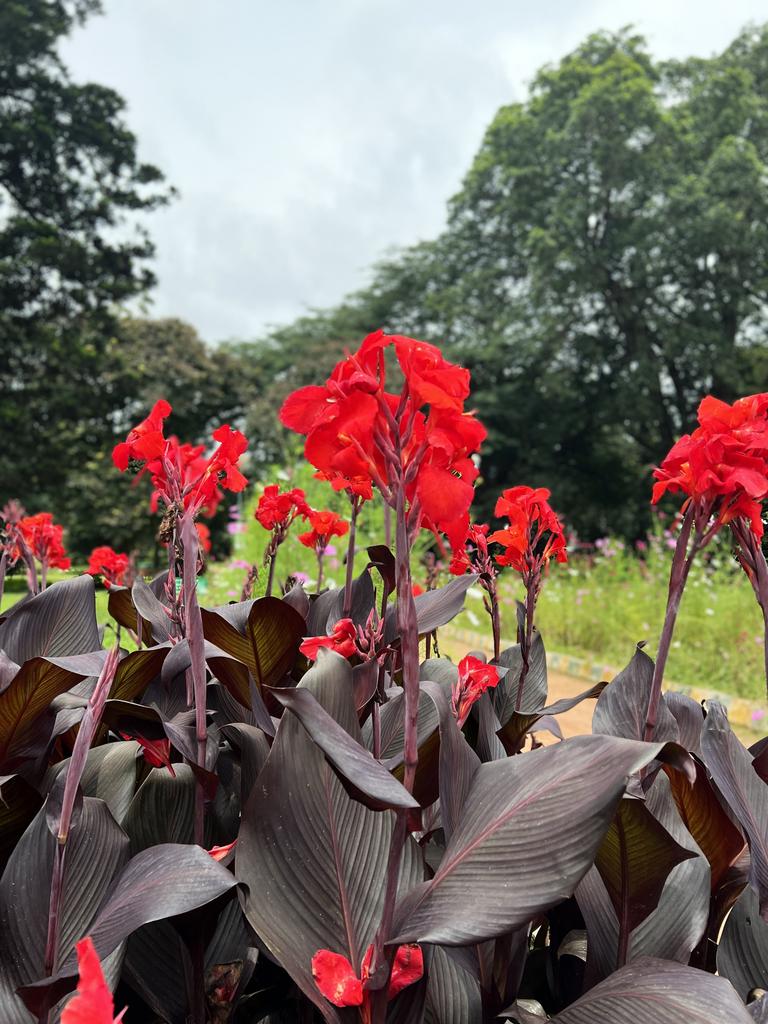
x=606 y=263
x=71 y=185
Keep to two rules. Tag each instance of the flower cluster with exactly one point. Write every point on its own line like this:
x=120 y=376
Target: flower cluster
x=348 y=640
x=723 y=465
x=336 y=979
x=356 y=431
x=534 y=534
x=276 y=510
x=476 y=558
x=182 y=475
x=475 y=677
x=107 y=563
x=43 y=538
x=324 y=525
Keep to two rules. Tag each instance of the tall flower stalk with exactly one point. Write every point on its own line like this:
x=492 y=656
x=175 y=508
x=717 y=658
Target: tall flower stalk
x=722 y=470
x=532 y=537
x=360 y=436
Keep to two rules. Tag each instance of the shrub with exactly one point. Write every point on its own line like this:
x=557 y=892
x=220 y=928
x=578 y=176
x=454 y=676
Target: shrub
x=271 y=810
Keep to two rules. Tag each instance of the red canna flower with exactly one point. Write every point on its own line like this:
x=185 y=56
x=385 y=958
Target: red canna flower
x=155 y=752
x=475 y=677
x=477 y=560
x=534 y=534
x=182 y=475
x=352 y=425
x=44 y=539
x=342 y=640
x=93 y=1002
x=723 y=465
x=417 y=589
x=324 y=526
x=144 y=442
x=107 y=563
x=337 y=981
x=278 y=511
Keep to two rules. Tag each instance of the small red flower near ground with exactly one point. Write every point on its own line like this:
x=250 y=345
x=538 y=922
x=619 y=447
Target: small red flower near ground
x=221 y=852
x=104 y=561
x=324 y=526
x=93 y=1002
x=342 y=640
x=475 y=677
x=534 y=534
x=155 y=752
x=276 y=510
x=336 y=979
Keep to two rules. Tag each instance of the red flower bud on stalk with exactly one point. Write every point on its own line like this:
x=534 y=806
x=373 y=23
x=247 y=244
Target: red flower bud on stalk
x=475 y=677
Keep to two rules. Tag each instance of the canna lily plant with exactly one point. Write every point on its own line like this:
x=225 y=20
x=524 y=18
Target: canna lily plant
x=276 y=810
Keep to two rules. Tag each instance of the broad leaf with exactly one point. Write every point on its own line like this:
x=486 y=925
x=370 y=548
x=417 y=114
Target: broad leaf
x=109 y=775
x=530 y=831
x=622 y=706
x=59 y=622
x=96 y=851
x=453 y=994
x=38 y=681
x=162 y=810
x=730 y=765
x=269 y=644
x=658 y=992
x=742 y=953
x=634 y=861
x=703 y=815
x=534 y=695
x=311 y=856
x=350 y=758
x=151 y=609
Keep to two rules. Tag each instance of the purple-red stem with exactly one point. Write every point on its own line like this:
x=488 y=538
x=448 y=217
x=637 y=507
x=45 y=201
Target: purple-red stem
x=350 y=556
x=681 y=566
x=194 y=629
x=319 y=553
x=532 y=586
x=409 y=651
x=88 y=728
x=271 y=576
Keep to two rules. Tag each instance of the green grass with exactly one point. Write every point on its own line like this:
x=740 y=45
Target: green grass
x=599 y=608
x=596 y=607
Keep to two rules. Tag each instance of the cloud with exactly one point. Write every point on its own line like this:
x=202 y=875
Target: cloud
x=306 y=139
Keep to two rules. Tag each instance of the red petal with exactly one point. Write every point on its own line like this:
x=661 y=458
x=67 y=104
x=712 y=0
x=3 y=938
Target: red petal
x=407 y=968
x=444 y=497
x=121 y=455
x=335 y=979
x=93 y=1003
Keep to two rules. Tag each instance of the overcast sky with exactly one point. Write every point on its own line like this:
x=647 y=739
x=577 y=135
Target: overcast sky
x=308 y=137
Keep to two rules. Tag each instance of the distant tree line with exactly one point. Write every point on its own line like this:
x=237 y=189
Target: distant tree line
x=603 y=265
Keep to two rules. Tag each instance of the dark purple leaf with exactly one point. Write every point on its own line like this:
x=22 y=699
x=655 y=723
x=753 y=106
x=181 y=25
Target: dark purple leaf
x=308 y=853
x=742 y=953
x=137 y=670
x=534 y=697
x=453 y=994
x=677 y=924
x=383 y=560
x=635 y=859
x=539 y=819
x=689 y=715
x=8 y=669
x=658 y=992
x=109 y=775
x=758 y=1010
x=298 y=599
x=96 y=851
x=38 y=681
x=151 y=609
x=162 y=811
x=458 y=763
x=622 y=706
x=59 y=622
x=19 y=803
x=269 y=646
x=730 y=764
x=368 y=777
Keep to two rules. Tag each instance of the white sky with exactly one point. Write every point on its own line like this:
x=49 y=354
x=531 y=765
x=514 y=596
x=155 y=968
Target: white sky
x=308 y=137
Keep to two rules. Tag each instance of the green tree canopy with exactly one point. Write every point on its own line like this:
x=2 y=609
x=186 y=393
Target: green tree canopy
x=71 y=251
x=605 y=263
